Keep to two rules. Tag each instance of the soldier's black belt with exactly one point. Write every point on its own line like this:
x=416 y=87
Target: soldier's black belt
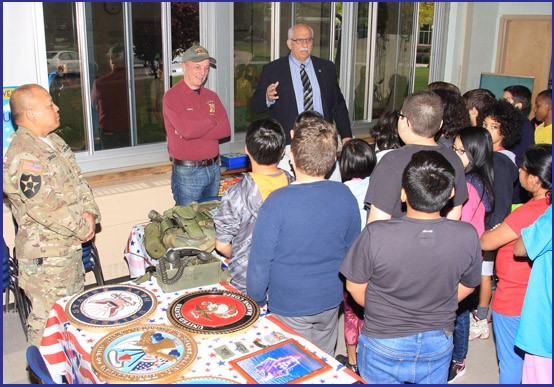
x=195 y=163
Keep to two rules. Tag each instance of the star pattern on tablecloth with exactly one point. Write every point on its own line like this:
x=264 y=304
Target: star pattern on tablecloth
x=207 y=361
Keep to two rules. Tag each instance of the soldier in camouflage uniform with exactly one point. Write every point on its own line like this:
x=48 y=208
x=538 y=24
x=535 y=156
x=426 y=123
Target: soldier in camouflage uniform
x=52 y=204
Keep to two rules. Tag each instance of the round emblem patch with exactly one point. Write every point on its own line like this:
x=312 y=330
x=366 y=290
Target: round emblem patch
x=110 y=306
x=213 y=312
x=144 y=354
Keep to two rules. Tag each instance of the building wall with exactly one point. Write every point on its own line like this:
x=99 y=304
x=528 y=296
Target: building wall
x=473 y=37
x=21 y=43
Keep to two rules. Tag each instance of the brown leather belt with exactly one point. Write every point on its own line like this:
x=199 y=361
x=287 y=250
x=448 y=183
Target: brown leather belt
x=194 y=163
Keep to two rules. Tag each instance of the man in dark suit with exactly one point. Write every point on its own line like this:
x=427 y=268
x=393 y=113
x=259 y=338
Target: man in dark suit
x=281 y=88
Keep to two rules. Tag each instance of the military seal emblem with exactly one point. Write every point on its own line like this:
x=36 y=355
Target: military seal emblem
x=144 y=354
x=213 y=312
x=110 y=306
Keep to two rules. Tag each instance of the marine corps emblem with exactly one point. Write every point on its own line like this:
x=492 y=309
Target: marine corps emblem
x=211 y=105
x=217 y=311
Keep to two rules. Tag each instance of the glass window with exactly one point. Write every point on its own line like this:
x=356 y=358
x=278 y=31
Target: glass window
x=252 y=31
x=109 y=85
x=185 y=31
x=361 y=69
x=393 y=55
x=317 y=16
x=120 y=50
x=148 y=72
x=64 y=71
x=252 y=48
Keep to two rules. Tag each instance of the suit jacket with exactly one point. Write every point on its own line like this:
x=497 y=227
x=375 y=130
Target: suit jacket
x=285 y=111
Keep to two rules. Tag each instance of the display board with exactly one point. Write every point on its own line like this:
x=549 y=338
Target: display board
x=498 y=82
x=9 y=129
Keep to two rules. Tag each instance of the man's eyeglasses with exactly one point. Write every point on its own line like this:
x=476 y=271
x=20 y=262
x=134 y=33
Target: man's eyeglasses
x=458 y=150
x=301 y=41
x=399 y=115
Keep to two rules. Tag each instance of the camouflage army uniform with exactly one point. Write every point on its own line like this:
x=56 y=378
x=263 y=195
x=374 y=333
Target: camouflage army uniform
x=48 y=196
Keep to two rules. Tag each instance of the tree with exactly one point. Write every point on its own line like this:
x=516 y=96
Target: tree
x=185 y=24
x=426 y=11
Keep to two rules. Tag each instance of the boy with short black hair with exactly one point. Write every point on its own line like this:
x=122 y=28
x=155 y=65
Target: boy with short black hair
x=240 y=203
x=543 y=112
x=476 y=101
x=520 y=97
x=410 y=286
x=302 y=234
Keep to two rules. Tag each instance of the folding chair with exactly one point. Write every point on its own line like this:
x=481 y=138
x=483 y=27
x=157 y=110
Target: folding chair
x=91 y=261
x=11 y=284
x=37 y=366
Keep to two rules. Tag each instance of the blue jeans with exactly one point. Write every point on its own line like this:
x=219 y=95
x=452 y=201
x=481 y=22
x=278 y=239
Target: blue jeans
x=510 y=357
x=423 y=358
x=461 y=335
x=190 y=184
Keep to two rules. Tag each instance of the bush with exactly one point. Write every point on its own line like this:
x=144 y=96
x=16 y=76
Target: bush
x=425 y=58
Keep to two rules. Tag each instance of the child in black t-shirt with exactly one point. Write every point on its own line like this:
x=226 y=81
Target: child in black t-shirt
x=410 y=273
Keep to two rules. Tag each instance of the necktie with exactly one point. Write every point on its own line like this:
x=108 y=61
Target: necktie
x=308 y=95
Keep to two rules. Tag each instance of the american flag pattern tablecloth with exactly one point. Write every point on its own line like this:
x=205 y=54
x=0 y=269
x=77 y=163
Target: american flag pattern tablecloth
x=66 y=348
x=135 y=252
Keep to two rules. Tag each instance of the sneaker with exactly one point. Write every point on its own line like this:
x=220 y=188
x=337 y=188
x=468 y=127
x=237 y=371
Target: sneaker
x=456 y=370
x=344 y=361
x=479 y=328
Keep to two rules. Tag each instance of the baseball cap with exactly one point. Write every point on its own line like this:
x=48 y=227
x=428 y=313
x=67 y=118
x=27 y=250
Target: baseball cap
x=197 y=54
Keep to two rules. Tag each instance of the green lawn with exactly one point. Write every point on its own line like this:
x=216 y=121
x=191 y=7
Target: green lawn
x=421 y=78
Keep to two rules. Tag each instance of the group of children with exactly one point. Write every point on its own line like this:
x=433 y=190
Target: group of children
x=294 y=242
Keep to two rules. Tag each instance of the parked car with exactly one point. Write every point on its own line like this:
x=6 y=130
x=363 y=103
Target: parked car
x=68 y=59
x=254 y=39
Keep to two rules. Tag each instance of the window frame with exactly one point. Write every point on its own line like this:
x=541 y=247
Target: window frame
x=147 y=154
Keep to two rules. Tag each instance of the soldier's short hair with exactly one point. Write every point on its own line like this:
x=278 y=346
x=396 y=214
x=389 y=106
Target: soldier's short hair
x=21 y=99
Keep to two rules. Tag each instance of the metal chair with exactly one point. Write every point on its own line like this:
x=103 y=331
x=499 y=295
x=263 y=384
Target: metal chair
x=91 y=261
x=21 y=303
x=37 y=366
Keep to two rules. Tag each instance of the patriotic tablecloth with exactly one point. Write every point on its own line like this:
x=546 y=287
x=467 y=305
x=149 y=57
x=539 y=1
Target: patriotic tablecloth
x=67 y=348
x=135 y=252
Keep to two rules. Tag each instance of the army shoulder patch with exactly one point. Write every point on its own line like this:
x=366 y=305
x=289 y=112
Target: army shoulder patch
x=30 y=181
x=29 y=166
x=30 y=184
